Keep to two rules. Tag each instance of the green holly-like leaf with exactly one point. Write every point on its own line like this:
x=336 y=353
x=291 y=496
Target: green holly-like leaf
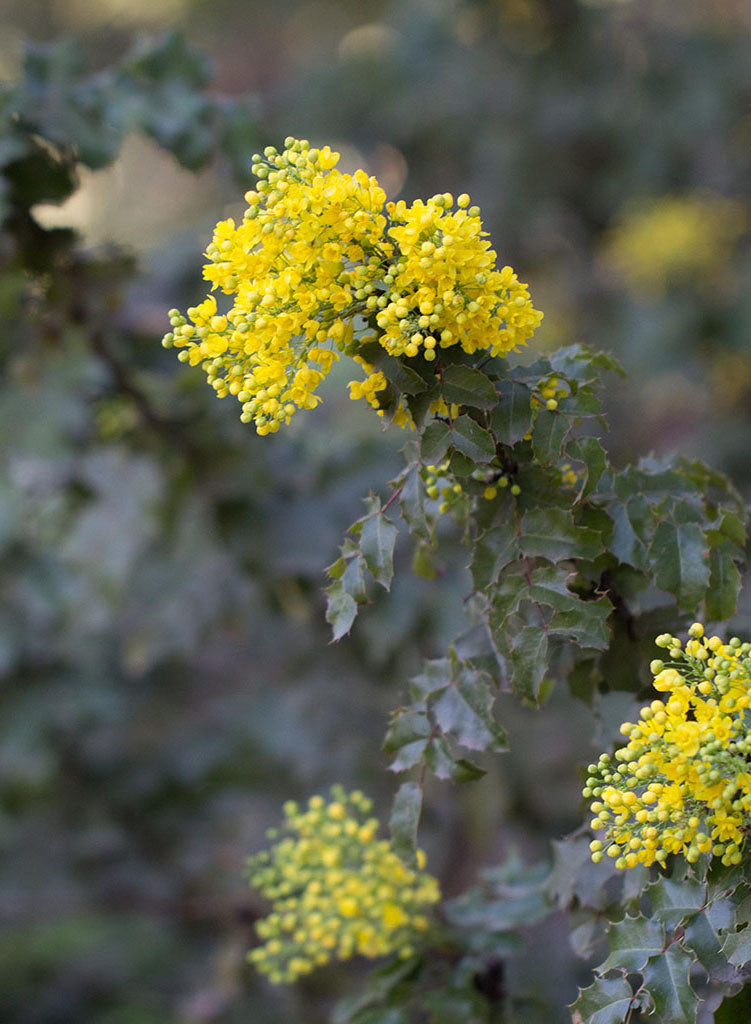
x=589 y=451
x=551 y=533
x=672 y=899
x=492 y=553
x=585 y=622
x=405 y=817
x=733 y=528
x=377 y=545
x=434 y=442
x=464 y=709
x=632 y=942
x=607 y=1001
x=353 y=578
x=435 y=676
x=529 y=663
x=570 y=877
x=412 y=502
x=700 y=935
x=464 y=385
x=512 y=417
x=583 y=364
x=680 y=559
x=724 y=582
x=548 y=435
x=509 y=896
x=341 y=609
x=469 y=438
x=625 y=543
x=666 y=980
x=407 y=738
x=444 y=765
x=737 y=947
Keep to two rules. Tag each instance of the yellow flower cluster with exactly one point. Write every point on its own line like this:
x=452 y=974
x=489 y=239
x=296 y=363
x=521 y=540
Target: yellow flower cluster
x=337 y=890
x=674 y=238
x=321 y=264
x=442 y=285
x=682 y=783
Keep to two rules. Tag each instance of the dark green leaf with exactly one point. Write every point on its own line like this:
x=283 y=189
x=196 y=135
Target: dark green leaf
x=734 y=529
x=508 y=594
x=411 y=504
x=632 y=942
x=404 y=378
x=434 y=442
x=582 y=363
x=589 y=451
x=724 y=583
x=464 y=385
x=585 y=623
x=528 y=653
x=548 y=434
x=673 y=899
x=666 y=980
x=419 y=404
x=377 y=545
x=607 y=1001
x=737 y=947
x=353 y=578
x=512 y=417
x=492 y=553
x=572 y=877
x=701 y=937
x=341 y=610
x=443 y=765
x=466 y=771
x=679 y=557
x=406 y=726
x=405 y=817
x=408 y=756
x=551 y=533
x=472 y=440
x=460 y=465
x=624 y=542
x=435 y=676
x=464 y=710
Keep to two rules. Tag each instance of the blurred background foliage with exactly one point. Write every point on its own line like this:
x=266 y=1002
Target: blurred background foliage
x=166 y=675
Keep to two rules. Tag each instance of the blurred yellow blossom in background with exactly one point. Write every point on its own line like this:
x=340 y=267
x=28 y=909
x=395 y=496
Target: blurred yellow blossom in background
x=337 y=890
x=660 y=241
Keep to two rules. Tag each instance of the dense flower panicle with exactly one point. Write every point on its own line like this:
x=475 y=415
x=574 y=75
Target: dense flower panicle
x=320 y=264
x=444 y=290
x=682 y=783
x=337 y=890
x=674 y=238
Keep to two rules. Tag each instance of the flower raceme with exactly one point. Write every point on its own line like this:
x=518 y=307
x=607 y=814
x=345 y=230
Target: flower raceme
x=322 y=264
x=337 y=891
x=682 y=783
